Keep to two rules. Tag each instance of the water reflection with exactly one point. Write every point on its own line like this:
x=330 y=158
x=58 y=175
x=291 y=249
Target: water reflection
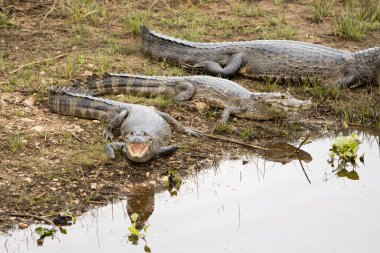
x=284 y=153
x=141 y=201
x=253 y=204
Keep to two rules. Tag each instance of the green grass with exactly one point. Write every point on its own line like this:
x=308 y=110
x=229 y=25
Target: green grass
x=275 y=28
x=357 y=19
x=91 y=155
x=246 y=134
x=357 y=112
x=223 y=128
x=7 y=19
x=84 y=11
x=15 y=142
x=243 y=9
x=133 y=20
x=320 y=10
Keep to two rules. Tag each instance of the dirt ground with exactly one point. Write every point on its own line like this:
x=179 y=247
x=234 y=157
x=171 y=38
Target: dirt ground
x=51 y=163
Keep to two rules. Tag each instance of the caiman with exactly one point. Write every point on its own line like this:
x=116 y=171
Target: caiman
x=214 y=91
x=145 y=132
x=274 y=59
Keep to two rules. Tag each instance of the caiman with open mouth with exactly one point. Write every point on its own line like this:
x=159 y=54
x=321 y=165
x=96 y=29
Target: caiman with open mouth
x=145 y=132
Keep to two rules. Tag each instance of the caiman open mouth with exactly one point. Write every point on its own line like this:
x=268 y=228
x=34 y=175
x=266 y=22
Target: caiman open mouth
x=137 y=149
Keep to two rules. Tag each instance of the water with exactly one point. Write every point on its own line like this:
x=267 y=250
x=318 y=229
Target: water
x=248 y=205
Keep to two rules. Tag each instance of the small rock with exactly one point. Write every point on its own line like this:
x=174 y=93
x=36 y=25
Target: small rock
x=28 y=180
x=201 y=107
x=93 y=186
x=77 y=128
x=27 y=120
x=96 y=121
x=86 y=73
x=76 y=201
x=30 y=101
x=91 y=66
x=42 y=73
x=38 y=129
x=22 y=225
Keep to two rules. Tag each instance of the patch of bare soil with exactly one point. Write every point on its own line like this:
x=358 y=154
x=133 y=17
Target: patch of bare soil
x=51 y=163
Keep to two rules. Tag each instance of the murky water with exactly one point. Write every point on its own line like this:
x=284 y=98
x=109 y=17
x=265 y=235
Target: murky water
x=248 y=205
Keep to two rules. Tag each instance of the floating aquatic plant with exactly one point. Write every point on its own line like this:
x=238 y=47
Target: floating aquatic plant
x=345 y=149
x=135 y=234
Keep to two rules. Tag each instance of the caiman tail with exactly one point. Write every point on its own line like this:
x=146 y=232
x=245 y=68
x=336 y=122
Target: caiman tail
x=128 y=84
x=164 y=47
x=75 y=102
x=367 y=66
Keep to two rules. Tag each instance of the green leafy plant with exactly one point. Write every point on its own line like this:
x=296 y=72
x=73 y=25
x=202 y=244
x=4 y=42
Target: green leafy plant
x=45 y=232
x=135 y=234
x=345 y=149
x=172 y=181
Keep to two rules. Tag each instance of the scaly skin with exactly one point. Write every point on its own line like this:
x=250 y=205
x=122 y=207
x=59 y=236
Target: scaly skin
x=144 y=131
x=277 y=59
x=216 y=92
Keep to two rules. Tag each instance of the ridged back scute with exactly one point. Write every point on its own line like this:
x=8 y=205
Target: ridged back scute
x=172 y=49
x=112 y=83
x=369 y=56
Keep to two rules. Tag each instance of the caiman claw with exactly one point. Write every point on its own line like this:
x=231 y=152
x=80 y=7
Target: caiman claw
x=199 y=67
x=107 y=134
x=193 y=132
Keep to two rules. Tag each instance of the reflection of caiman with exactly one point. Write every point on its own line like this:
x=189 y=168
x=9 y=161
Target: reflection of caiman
x=280 y=59
x=141 y=201
x=145 y=131
x=284 y=153
x=216 y=92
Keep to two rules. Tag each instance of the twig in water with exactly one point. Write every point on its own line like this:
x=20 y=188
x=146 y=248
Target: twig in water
x=302 y=143
x=304 y=171
x=24 y=215
x=38 y=62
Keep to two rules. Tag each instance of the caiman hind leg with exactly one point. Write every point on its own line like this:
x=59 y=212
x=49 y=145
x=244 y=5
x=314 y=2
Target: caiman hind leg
x=351 y=81
x=214 y=68
x=185 y=91
x=115 y=122
x=177 y=125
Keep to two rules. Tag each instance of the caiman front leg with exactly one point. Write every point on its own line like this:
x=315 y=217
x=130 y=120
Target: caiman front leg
x=214 y=68
x=111 y=147
x=115 y=122
x=177 y=125
x=228 y=111
x=167 y=150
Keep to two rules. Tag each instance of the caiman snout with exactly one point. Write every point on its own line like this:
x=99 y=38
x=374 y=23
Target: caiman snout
x=139 y=147
x=285 y=102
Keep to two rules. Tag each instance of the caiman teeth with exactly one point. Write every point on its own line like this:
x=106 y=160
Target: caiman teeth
x=137 y=149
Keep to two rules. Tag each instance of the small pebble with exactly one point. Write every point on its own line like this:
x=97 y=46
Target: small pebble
x=22 y=225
